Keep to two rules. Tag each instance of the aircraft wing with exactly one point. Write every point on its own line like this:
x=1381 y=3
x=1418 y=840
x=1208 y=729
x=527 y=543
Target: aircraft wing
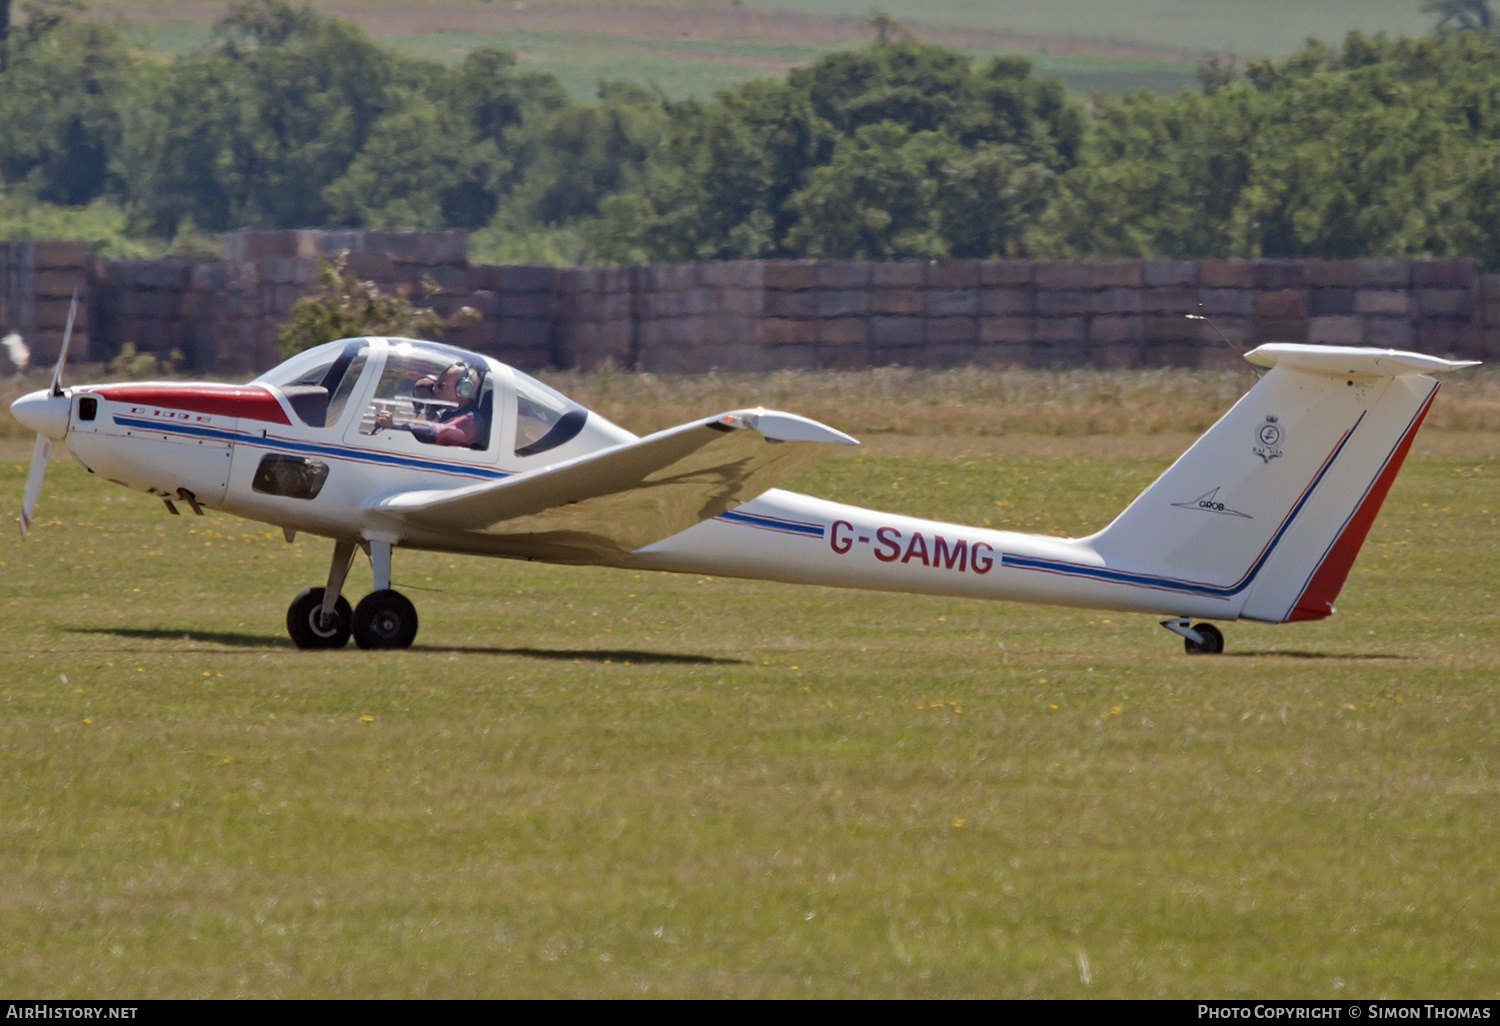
x=600 y=507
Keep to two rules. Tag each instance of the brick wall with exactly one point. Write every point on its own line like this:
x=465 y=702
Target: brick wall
x=667 y=318
x=36 y=287
x=1118 y=313
x=222 y=315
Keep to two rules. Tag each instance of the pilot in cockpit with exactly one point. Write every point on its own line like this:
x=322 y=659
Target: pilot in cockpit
x=449 y=405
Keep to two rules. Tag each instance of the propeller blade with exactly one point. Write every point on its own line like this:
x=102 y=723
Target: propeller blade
x=43 y=451
x=39 y=457
x=62 y=357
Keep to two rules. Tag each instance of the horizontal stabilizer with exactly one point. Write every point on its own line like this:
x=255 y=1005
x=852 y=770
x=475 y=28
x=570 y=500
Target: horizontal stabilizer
x=607 y=504
x=1351 y=361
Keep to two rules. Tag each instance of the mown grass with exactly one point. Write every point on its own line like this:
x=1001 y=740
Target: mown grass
x=596 y=783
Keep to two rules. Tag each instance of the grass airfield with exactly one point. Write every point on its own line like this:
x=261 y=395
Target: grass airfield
x=594 y=783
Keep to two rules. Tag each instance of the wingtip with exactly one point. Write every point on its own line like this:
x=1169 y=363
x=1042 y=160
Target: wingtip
x=788 y=427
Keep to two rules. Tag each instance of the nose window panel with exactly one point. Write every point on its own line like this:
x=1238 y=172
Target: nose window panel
x=319 y=387
x=344 y=384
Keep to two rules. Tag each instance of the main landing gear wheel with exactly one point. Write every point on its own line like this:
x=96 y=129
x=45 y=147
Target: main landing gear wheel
x=1213 y=640
x=385 y=619
x=305 y=623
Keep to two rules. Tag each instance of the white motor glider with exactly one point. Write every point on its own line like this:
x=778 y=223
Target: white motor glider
x=380 y=443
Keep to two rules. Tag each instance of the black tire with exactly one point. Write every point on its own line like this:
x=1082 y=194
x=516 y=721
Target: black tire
x=385 y=619
x=1213 y=640
x=304 y=621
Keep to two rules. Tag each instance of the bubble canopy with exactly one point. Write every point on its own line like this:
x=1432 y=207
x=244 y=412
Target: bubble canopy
x=319 y=381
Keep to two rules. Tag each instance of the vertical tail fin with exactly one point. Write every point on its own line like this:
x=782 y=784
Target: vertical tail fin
x=1269 y=508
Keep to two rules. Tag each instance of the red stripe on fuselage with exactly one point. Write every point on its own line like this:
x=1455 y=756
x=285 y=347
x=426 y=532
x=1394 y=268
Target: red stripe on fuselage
x=1316 y=600
x=247 y=402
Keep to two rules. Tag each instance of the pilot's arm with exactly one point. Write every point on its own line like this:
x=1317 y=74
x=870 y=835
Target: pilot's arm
x=458 y=431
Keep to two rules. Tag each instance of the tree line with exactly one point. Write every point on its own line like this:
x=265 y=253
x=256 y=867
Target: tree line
x=1376 y=147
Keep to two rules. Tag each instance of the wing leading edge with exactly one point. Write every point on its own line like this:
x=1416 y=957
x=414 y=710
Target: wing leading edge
x=603 y=506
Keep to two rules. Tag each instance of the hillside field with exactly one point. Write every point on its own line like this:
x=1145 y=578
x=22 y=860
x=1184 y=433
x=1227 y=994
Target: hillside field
x=694 y=47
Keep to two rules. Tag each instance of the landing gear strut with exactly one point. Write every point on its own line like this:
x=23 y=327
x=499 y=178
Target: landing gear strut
x=1198 y=639
x=321 y=618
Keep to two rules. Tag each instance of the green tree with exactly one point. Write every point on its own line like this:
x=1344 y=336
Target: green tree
x=577 y=154
x=488 y=92
x=722 y=183
x=1159 y=177
x=62 y=88
x=717 y=186
x=991 y=197
x=876 y=199
x=345 y=307
x=1365 y=147
x=888 y=193
x=294 y=120
x=308 y=93
x=418 y=169
x=179 y=146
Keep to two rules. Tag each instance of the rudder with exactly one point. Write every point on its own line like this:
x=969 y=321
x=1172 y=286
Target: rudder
x=1269 y=508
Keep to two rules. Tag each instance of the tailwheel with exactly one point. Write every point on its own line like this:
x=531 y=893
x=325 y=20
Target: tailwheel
x=1212 y=643
x=308 y=627
x=385 y=619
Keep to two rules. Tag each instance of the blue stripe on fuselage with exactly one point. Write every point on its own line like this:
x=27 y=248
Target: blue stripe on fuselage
x=332 y=451
x=772 y=523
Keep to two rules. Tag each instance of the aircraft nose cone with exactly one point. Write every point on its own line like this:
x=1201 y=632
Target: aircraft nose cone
x=44 y=413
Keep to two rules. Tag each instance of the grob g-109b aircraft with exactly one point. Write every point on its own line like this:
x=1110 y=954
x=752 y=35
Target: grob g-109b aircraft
x=383 y=443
